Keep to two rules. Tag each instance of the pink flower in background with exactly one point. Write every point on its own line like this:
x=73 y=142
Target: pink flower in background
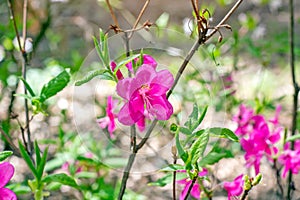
x=119 y=74
x=195 y=192
x=6 y=172
x=290 y=158
x=109 y=120
x=243 y=118
x=145 y=95
x=147 y=60
x=234 y=188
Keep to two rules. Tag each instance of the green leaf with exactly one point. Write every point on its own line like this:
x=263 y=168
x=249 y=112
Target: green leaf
x=198 y=147
x=90 y=76
x=29 y=89
x=185 y=131
x=100 y=54
x=162 y=181
x=41 y=166
x=192 y=118
x=125 y=61
x=5 y=154
x=37 y=153
x=293 y=138
x=60 y=178
x=24 y=96
x=183 y=155
x=223 y=133
x=211 y=158
x=55 y=85
x=172 y=167
x=202 y=116
x=27 y=159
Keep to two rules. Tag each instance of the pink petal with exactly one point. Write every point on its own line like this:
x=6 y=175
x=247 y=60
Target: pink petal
x=149 y=60
x=119 y=74
x=136 y=107
x=195 y=192
x=123 y=88
x=185 y=190
x=161 y=108
x=124 y=117
x=164 y=78
x=6 y=172
x=7 y=194
x=144 y=75
x=103 y=122
x=141 y=124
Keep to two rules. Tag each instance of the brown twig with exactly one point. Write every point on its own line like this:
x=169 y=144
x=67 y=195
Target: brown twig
x=24 y=22
x=10 y=142
x=139 y=17
x=290 y=184
x=113 y=16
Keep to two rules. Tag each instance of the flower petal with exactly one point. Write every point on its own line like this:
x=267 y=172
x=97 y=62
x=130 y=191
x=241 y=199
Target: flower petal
x=122 y=88
x=161 y=107
x=124 y=117
x=164 y=78
x=7 y=194
x=6 y=172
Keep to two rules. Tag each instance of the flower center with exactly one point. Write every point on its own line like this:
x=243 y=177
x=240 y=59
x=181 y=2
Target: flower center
x=144 y=89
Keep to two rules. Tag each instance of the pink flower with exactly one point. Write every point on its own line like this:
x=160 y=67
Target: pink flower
x=243 y=119
x=147 y=59
x=234 y=188
x=290 y=158
x=119 y=74
x=145 y=95
x=195 y=192
x=109 y=119
x=6 y=172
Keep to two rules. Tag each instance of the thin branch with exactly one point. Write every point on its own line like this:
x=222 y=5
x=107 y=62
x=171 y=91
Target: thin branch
x=10 y=142
x=24 y=22
x=190 y=188
x=230 y=12
x=112 y=13
x=12 y=18
x=139 y=16
x=296 y=92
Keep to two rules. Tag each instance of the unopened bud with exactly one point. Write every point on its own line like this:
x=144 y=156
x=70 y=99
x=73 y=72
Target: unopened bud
x=257 y=179
x=173 y=127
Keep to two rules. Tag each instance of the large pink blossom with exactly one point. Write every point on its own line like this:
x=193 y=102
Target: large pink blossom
x=109 y=120
x=243 y=119
x=290 y=158
x=234 y=188
x=145 y=95
x=6 y=172
x=195 y=192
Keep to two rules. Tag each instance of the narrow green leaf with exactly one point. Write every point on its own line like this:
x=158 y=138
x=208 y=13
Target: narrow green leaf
x=293 y=138
x=24 y=96
x=223 y=133
x=60 y=178
x=183 y=155
x=37 y=153
x=193 y=118
x=198 y=147
x=55 y=85
x=162 y=181
x=185 y=131
x=41 y=166
x=201 y=117
x=99 y=51
x=5 y=154
x=29 y=89
x=90 y=76
x=172 y=167
x=125 y=61
x=211 y=158
x=27 y=159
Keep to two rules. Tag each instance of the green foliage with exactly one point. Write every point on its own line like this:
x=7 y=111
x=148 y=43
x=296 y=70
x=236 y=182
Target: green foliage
x=60 y=178
x=5 y=154
x=50 y=89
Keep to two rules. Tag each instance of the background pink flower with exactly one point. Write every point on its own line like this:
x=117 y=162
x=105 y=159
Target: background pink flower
x=234 y=188
x=147 y=59
x=145 y=95
x=109 y=120
x=6 y=172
